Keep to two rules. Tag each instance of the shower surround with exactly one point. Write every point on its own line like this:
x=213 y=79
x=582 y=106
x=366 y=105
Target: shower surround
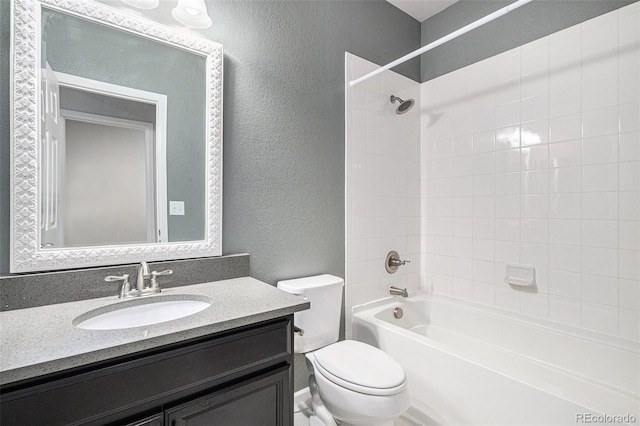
x=383 y=184
x=531 y=157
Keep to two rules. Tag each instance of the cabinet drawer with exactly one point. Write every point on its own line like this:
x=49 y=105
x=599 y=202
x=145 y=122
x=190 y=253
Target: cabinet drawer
x=121 y=390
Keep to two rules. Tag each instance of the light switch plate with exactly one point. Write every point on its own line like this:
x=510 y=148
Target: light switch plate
x=176 y=208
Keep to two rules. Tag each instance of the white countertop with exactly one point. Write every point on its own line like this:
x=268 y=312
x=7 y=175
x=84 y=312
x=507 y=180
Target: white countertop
x=42 y=340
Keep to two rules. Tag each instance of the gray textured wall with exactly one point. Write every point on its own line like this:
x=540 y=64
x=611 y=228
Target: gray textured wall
x=527 y=23
x=284 y=124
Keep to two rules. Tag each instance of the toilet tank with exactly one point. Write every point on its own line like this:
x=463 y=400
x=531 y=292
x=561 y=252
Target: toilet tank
x=321 y=323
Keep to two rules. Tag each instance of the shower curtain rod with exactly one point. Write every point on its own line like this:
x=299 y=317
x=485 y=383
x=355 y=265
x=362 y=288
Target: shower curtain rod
x=498 y=13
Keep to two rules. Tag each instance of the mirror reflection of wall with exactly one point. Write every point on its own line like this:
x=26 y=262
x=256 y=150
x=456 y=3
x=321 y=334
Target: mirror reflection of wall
x=76 y=47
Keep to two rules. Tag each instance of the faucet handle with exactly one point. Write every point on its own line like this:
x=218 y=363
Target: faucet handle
x=156 y=274
x=126 y=286
x=393 y=262
x=124 y=278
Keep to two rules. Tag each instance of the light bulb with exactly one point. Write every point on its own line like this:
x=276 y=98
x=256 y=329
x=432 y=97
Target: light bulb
x=192 y=13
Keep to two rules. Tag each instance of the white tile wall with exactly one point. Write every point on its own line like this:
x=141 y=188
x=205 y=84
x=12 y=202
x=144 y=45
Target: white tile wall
x=383 y=184
x=532 y=157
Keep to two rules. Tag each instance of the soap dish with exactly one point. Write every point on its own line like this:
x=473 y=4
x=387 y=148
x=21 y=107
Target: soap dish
x=520 y=275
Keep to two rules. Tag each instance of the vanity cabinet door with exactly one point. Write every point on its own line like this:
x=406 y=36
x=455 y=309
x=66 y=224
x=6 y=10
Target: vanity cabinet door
x=259 y=402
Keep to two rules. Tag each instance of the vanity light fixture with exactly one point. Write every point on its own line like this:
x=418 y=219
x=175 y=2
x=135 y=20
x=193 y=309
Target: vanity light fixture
x=143 y=4
x=192 y=13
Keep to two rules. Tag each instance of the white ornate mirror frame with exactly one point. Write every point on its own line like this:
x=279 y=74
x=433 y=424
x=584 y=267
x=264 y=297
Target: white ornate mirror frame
x=26 y=253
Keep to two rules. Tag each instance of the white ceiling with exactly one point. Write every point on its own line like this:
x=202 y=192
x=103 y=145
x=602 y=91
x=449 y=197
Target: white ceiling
x=422 y=9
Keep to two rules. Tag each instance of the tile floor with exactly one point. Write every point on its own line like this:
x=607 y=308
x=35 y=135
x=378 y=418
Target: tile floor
x=301 y=412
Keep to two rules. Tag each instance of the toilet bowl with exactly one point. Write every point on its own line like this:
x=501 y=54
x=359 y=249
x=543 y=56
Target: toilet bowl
x=350 y=381
x=358 y=383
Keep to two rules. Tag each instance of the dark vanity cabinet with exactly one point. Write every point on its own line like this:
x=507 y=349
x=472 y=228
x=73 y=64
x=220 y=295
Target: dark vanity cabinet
x=239 y=377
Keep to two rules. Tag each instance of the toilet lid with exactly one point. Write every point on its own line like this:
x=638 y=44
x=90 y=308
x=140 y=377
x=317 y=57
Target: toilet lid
x=360 y=367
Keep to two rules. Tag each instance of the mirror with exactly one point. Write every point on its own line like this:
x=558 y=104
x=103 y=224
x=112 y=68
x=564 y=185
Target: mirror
x=116 y=138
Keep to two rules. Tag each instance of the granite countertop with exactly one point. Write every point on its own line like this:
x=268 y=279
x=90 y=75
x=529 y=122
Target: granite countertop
x=42 y=340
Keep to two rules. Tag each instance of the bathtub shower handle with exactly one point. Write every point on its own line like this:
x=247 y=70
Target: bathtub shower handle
x=393 y=262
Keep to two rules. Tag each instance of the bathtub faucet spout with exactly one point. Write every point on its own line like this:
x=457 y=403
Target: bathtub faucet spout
x=395 y=291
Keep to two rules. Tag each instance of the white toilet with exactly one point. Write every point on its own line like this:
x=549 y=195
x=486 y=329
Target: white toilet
x=356 y=383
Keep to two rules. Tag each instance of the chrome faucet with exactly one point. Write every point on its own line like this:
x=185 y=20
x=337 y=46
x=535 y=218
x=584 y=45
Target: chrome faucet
x=141 y=288
x=395 y=291
x=143 y=274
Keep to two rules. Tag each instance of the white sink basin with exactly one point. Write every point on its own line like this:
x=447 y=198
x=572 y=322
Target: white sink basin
x=141 y=312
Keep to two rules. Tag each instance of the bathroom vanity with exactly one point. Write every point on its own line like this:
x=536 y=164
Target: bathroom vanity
x=230 y=364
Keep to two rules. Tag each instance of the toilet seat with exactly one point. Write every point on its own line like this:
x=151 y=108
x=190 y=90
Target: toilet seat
x=361 y=368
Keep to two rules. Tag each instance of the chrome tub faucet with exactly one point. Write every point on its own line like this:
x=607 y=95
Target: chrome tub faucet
x=395 y=291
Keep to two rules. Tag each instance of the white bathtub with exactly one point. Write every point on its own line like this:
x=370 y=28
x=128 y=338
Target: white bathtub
x=467 y=364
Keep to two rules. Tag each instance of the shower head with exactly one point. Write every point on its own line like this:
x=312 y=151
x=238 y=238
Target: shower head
x=405 y=106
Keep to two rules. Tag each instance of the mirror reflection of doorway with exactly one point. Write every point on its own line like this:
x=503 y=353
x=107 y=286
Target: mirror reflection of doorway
x=109 y=177
x=104 y=170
